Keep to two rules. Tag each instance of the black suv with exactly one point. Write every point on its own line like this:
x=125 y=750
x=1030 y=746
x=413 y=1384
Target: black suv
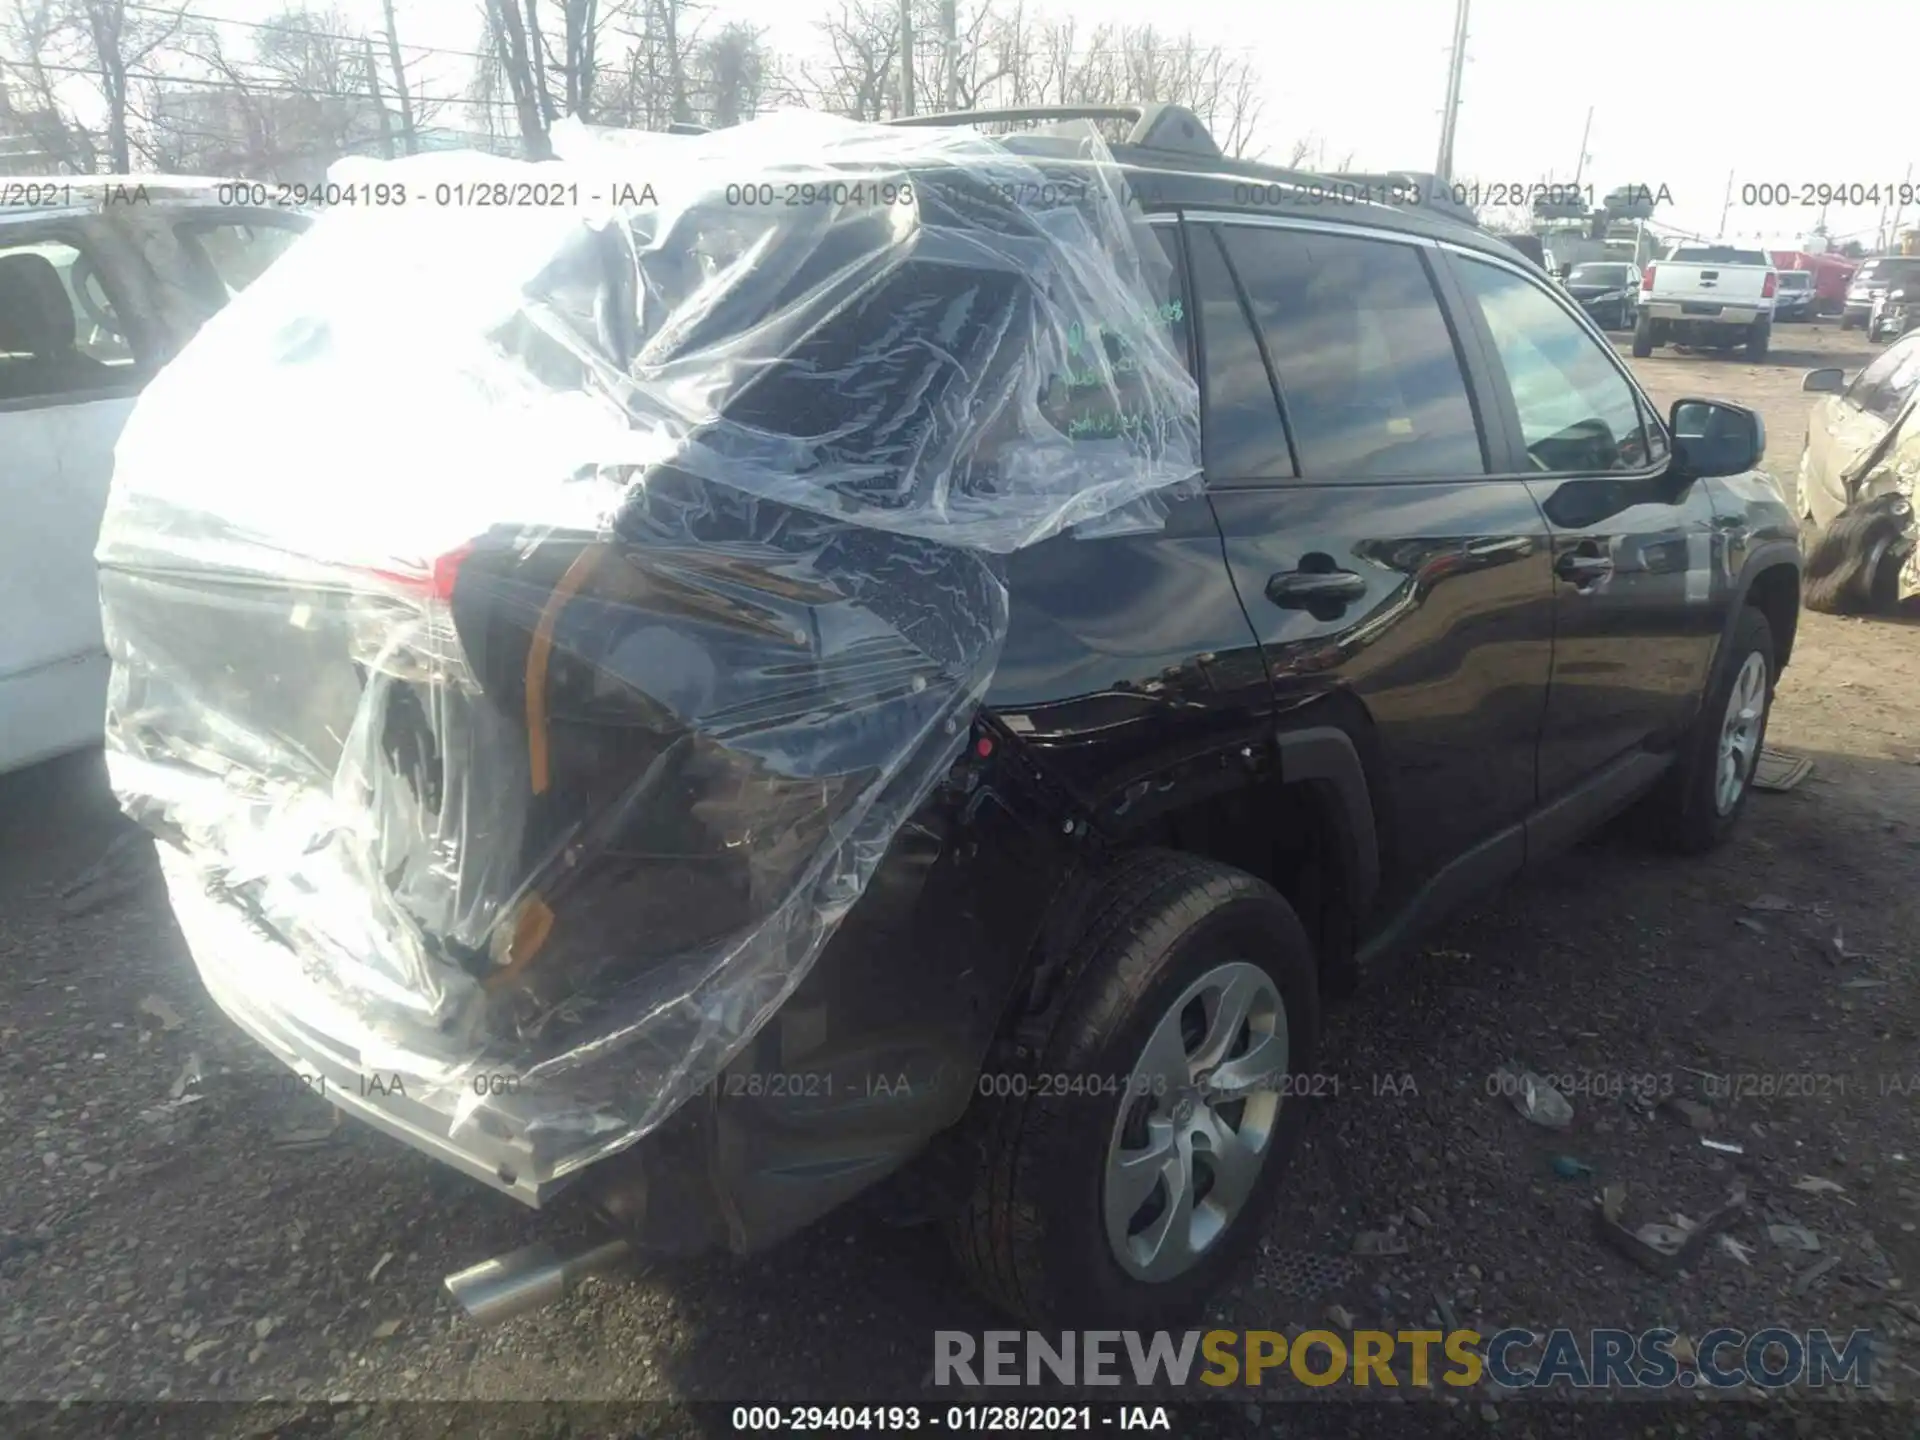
x=1452 y=594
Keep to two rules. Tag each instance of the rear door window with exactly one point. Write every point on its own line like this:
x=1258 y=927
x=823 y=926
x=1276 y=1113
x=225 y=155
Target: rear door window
x=1243 y=437
x=1371 y=384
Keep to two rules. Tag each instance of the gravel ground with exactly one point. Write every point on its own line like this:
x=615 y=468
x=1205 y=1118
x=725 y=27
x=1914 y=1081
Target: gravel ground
x=234 y=1245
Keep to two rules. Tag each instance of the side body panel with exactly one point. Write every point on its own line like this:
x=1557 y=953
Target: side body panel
x=1128 y=661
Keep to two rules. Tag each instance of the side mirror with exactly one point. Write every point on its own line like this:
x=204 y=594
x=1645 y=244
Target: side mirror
x=1711 y=437
x=1827 y=381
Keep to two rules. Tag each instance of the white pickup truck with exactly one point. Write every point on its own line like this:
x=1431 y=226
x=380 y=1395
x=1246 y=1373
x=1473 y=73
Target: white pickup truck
x=1711 y=296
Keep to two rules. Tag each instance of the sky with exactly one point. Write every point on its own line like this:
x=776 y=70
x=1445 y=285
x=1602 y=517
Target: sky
x=1683 y=93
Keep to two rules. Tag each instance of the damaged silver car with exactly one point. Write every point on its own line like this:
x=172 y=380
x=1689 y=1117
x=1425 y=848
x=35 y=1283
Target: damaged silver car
x=1855 y=494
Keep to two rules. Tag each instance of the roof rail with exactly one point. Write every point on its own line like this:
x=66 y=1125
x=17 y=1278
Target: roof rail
x=1171 y=128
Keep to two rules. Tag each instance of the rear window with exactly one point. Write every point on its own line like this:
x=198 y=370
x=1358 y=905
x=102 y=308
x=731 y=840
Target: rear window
x=1796 y=280
x=949 y=323
x=1718 y=255
x=1886 y=269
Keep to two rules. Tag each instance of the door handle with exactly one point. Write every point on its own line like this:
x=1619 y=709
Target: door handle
x=1306 y=587
x=1584 y=565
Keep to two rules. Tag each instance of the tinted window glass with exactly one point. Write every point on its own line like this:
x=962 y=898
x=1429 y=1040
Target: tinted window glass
x=1577 y=413
x=59 y=331
x=1079 y=404
x=1717 y=255
x=1883 y=387
x=1241 y=428
x=1369 y=379
x=1600 y=275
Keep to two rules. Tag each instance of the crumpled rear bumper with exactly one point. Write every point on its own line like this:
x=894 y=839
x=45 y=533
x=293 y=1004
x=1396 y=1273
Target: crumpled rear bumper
x=404 y=1090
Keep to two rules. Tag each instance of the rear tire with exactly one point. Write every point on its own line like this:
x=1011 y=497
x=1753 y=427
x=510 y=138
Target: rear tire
x=1642 y=338
x=1688 y=812
x=1035 y=1236
x=1848 y=322
x=1758 y=336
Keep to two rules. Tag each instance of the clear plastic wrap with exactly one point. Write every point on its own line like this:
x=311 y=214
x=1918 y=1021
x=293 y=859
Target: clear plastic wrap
x=538 y=600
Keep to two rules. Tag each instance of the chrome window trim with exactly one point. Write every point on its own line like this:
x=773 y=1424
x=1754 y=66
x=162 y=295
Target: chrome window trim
x=1323 y=227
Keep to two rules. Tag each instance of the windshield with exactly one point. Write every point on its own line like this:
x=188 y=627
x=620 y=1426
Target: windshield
x=1600 y=275
x=1796 y=279
x=1718 y=255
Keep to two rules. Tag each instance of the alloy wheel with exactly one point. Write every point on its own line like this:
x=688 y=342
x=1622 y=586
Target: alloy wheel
x=1196 y=1123
x=1740 y=733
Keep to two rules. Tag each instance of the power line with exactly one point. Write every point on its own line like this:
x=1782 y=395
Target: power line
x=299 y=32
x=249 y=87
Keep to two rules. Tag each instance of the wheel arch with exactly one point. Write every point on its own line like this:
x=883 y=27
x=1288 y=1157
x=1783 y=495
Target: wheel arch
x=1772 y=586
x=1309 y=817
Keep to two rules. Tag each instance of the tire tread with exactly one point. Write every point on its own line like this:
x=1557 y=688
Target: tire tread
x=1141 y=905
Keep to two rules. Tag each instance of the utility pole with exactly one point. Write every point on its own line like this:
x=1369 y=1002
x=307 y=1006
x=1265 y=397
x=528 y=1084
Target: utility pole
x=408 y=133
x=1443 y=167
x=950 y=53
x=1585 y=131
x=1893 y=231
x=379 y=104
x=676 y=68
x=1726 y=207
x=906 y=57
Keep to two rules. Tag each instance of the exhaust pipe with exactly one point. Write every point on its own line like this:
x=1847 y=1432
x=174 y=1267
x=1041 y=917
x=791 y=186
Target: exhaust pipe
x=509 y=1285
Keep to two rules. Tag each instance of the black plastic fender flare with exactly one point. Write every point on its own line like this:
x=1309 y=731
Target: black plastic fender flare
x=1325 y=754
x=1763 y=557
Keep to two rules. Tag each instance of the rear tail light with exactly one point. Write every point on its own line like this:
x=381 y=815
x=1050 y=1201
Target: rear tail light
x=1769 y=285
x=442 y=573
x=423 y=647
x=1646 y=280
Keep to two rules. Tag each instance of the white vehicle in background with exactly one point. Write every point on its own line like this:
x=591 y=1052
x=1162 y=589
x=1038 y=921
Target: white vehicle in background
x=1711 y=297
x=102 y=279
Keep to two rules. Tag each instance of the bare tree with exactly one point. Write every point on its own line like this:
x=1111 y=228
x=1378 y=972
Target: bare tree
x=734 y=72
x=306 y=93
x=112 y=41
x=522 y=74
x=860 y=76
x=966 y=66
x=648 y=87
x=580 y=35
x=38 y=33
x=1021 y=60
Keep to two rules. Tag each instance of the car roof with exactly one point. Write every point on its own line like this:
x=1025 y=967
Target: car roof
x=1170 y=161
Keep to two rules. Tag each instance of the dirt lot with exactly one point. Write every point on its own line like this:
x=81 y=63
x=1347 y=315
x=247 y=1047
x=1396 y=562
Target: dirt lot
x=209 y=1249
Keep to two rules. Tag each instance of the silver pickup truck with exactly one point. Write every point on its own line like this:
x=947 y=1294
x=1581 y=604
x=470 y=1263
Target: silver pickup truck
x=1710 y=296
